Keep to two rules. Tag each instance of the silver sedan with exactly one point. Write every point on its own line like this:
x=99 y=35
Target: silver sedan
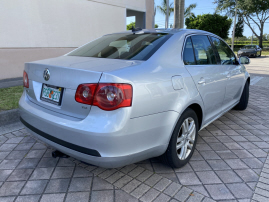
x=134 y=95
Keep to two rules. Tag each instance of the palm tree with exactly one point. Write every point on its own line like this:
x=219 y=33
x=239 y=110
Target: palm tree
x=187 y=12
x=162 y=8
x=179 y=13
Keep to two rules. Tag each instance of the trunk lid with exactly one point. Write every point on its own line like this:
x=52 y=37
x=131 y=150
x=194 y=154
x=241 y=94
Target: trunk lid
x=68 y=72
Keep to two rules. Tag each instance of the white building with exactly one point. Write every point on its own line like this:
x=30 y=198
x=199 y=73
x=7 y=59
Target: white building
x=38 y=29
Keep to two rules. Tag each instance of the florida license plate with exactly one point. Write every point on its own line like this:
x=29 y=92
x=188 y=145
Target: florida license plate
x=51 y=94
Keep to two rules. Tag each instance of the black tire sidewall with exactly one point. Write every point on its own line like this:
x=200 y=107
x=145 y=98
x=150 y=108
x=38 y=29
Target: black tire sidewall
x=243 y=102
x=176 y=162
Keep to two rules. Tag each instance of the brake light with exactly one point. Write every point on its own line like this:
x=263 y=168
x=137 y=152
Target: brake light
x=85 y=93
x=113 y=96
x=25 y=80
x=107 y=96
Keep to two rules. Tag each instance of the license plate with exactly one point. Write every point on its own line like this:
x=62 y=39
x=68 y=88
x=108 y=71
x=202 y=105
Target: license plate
x=51 y=94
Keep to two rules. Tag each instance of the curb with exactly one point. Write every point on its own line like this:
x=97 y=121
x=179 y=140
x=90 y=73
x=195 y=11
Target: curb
x=6 y=83
x=10 y=116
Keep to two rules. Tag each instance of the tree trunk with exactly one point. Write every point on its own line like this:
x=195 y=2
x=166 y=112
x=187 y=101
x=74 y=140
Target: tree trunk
x=179 y=13
x=261 y=35
x=167 y=15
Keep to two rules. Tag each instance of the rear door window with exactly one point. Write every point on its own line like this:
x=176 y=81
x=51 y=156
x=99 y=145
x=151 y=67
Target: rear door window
x=226 y=55
x=204 y=53
x=188 y=55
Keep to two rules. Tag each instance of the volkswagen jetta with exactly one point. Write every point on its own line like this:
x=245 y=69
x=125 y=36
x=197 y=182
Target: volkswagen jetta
x=130 y=96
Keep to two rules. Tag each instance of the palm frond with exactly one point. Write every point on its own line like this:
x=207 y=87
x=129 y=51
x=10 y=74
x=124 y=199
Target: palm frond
x=162 y=8
x=188 y=10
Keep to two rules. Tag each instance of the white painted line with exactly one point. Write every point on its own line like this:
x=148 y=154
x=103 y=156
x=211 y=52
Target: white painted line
x=255 y=80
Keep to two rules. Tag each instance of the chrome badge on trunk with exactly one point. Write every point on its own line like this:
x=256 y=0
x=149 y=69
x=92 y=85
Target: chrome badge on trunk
x=46 y=74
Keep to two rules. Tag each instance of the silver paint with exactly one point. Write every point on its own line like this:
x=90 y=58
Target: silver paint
x=163 y=87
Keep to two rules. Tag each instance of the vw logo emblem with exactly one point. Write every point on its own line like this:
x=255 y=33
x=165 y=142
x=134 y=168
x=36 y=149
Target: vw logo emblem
x=46 y=74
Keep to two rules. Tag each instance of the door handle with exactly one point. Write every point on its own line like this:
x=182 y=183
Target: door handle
x=228 y=76
x=202 y=81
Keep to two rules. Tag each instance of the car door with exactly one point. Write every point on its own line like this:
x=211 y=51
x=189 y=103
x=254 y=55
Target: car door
x=235 y=78
x=209 y=77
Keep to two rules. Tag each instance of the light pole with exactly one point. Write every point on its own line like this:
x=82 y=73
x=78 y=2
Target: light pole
x=252 y=35
x=153 y=21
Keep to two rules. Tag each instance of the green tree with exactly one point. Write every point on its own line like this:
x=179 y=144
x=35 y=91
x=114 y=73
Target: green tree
x=188 y=11
x=266 y=37
x=214 y=23
x=129 y=26
x=162 y=8
x=239 y=27
x=254 y=12
x=243 y=38
x=132 y=24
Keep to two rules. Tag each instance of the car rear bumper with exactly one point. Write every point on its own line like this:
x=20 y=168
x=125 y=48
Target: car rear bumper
x=106 y=139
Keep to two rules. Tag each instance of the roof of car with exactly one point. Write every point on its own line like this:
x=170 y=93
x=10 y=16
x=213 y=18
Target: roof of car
x=163 y=30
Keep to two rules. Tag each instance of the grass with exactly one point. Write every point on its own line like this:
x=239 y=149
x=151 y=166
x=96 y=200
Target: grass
x=9 y=97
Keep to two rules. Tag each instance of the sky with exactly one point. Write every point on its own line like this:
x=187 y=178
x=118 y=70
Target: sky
x=203 y=7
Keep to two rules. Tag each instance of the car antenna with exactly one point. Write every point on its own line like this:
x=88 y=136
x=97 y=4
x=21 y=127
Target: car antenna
x=135 y=29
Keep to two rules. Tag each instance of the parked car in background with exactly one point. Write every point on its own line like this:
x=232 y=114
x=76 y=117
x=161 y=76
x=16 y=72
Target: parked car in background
x=250 y=51
x=134 y=95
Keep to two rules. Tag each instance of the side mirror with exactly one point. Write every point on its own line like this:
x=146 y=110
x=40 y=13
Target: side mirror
x=244 y=60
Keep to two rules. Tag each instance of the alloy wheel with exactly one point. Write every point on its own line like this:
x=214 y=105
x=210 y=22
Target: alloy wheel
x=186 y=138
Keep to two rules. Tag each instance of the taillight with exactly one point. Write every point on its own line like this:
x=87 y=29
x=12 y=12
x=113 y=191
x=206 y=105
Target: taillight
x=25 y=80
x=85 y=93
x=107 y=96
x=113 y=96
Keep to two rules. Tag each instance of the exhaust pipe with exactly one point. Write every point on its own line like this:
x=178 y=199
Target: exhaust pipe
x=59 y=154
x=87 y=163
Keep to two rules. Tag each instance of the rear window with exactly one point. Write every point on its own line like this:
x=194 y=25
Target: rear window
x=123 y=46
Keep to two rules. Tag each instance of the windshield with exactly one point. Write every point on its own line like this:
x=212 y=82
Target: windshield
x=249 y=47
x=123 y=46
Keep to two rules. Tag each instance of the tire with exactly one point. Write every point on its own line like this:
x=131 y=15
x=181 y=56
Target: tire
x=172 y=155
x=243 y=103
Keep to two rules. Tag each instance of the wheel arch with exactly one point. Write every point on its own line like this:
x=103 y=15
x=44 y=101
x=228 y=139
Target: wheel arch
x=248 y=80
x=199 y=112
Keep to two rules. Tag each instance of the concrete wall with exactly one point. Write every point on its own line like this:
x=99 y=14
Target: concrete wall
x=57 y=23
x=150 y=14
x=12 y=60
x=140 y=20
x=138 y=5
x=39 y=29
